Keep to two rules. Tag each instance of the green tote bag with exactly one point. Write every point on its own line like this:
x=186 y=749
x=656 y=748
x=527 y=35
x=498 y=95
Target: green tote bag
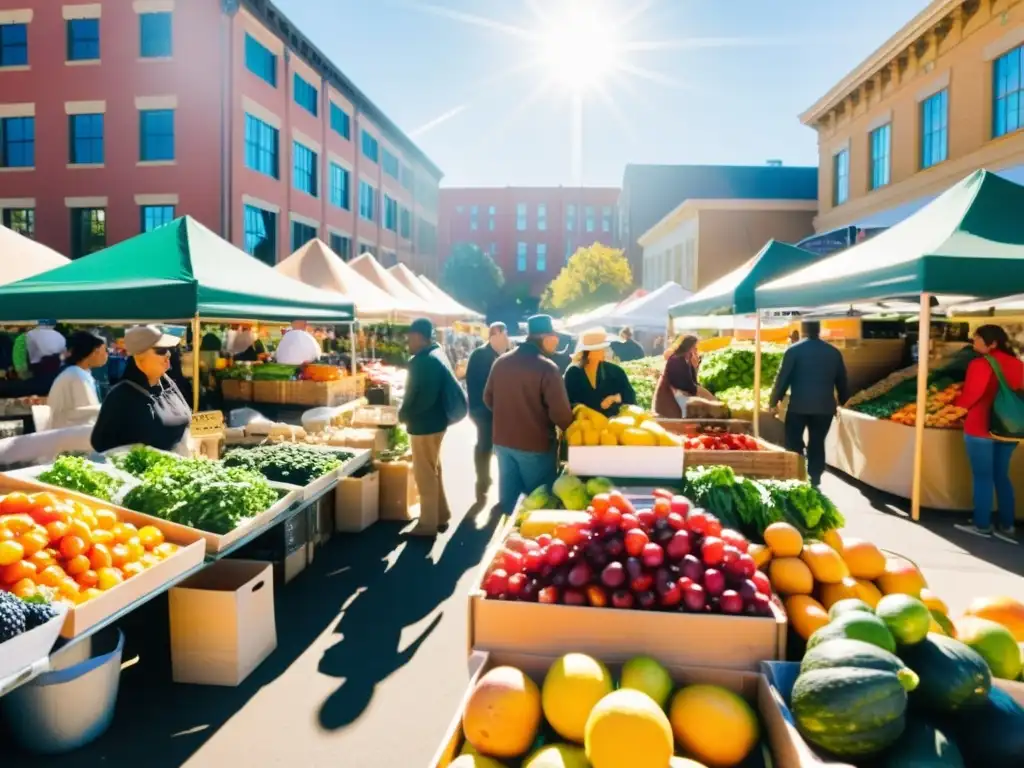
x=1007 y=421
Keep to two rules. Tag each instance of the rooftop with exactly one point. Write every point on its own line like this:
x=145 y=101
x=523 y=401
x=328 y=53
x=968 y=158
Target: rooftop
x=723 y=182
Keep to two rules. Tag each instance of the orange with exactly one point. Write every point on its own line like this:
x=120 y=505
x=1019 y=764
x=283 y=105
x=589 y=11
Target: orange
x=109 y=578
x=124 y=531
x=133 y=569
x=11 y=552
x=100 y=556
x=42 y=559
x=119 y=555
x=16 y=503
x=51 y=576
x=24 y=588
x=18 y=571
x=77 y=564
x=57 y=530
x=34 y=541
x=105 y=519
x=87 y=578
x=101 y=536
x=17 y=524
x=80 y=529
x=72 y=545
x=713 y=725
x=151 y=536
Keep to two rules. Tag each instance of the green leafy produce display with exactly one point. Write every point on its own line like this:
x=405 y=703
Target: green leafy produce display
x=398 y=439
x=643 y=375
x=733 y=366
x=741 y=399
x=803 y=506
x=287 y=462
x=141 y=459
x=903 y=393
x=77 y=474
x=274 y=372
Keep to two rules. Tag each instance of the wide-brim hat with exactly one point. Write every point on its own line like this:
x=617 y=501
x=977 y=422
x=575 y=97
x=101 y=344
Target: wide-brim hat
x=593 y=339
x=540 y=325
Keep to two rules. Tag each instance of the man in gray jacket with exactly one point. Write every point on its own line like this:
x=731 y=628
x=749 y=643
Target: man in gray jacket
x=814 y=375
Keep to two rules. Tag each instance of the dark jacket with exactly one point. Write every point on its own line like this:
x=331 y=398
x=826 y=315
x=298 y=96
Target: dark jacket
x=422 y=410
x=134 y=413
x=611 y=380
x=627 y=350
x=679 y=374
x=814 y=374
x=477 y=370
x=528 y=399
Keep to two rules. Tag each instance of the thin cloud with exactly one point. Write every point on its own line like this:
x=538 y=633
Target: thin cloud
x=442 y=118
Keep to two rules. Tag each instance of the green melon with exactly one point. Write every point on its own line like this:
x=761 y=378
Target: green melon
x=995 y=644
x=907 y=618
x=922 y=745
x=848 y=605
x=855 y=625
x=952 y=676
x=843 y=653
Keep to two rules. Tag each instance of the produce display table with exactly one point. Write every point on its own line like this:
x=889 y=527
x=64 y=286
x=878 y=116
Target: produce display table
x=880 y=453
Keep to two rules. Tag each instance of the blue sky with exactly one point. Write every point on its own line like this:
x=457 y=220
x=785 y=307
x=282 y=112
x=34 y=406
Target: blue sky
x=437 y=74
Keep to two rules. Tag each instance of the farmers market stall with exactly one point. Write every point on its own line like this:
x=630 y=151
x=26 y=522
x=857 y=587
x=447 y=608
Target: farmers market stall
x=968 y=242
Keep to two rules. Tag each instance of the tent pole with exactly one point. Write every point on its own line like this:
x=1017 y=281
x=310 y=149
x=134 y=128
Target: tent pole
x=195 y=363
x=352 y=344
x=757 y=375
x=923 y=349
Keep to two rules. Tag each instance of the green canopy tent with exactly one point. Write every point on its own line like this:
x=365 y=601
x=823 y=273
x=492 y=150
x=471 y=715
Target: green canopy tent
x=968 y=242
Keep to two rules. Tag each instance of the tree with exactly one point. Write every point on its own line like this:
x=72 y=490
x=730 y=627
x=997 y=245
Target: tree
x=472 y=277
x=592 y=276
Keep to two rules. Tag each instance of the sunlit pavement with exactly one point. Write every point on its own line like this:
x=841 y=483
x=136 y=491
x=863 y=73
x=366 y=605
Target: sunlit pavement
x=371 y=658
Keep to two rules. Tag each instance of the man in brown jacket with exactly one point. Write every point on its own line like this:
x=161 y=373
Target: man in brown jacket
x=527 y=396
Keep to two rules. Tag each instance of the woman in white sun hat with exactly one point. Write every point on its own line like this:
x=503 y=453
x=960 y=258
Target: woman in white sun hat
x=592 y=380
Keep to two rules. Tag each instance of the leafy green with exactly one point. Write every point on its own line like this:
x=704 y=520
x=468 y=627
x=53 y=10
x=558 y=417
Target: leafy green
x=643 y=376
x=733 y=366
x=287 y=462
x=140 y=459
x=77 y=474
x=398 y=439
x=804 y=506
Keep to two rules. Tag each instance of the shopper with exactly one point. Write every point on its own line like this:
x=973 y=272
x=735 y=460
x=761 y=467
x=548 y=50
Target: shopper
x=74 y=397
x=594 y=381
x=527 y=397
x=814 y=374
x=298 y=346
x=145 y=407
x=989 y=457
x=627 y=348
x=426 y=413
x=678 y=380
x=477 y=370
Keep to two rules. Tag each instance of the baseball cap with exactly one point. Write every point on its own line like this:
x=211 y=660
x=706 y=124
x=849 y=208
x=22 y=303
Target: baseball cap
x=142 y=337
x=423 y=327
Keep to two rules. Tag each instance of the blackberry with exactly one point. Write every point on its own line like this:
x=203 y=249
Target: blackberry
x=37 y=614
x=12 y=616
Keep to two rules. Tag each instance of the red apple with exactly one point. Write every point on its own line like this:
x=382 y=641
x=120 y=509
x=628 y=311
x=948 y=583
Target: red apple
x=661 y=493
x=596 y=596
x=671 y=596
x=622 y=599
x=544 y=539
x=642 y=583
x=635 y=542
x=714 y=582
x=515 y=584
x=516 y=543
x=697 y=522
x=730 y=554
x=748 y=565
x=557 y=552
x=646 y=518
x=629 y=521
x=731 y=602
x=496 y=583
x=534 y=561
x=653 y=555
x=679 y=545
x=762 y=604
x=712 y=549
x=694 y=597
x=580 y=575
x=612 y=517
x=574 y=597
x=662 y=507
x=714 y=527
x=684 y=583
x=511 y=561
x=747 y=590
x=764 y=586
x=681 y=505
x=618 y=500
x=693 y=568
x=676 y=521
x=548 y=595
x=736 y=539
x=614 y=575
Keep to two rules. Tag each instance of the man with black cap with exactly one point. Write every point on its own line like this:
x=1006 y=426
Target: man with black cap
x=425 y=413
x=526 y=394
x=477 y=370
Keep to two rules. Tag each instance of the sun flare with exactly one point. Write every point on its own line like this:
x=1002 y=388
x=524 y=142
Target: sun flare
x=579 y=46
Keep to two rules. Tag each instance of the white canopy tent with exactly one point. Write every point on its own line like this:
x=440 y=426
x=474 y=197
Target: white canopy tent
x=22 y=257
x=649 y=312
x=443 y=306
x=448 y=300
x=412 y=305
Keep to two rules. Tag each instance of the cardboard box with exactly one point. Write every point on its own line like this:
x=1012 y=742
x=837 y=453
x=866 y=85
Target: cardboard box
x=398 y=492
x=222 y=623
x=694 y=639
x=357 y=502
x=375 y=416
x=656 y=462
x=751 y=685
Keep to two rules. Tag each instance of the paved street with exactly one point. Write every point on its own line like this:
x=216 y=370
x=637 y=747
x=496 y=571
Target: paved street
x=371 y=658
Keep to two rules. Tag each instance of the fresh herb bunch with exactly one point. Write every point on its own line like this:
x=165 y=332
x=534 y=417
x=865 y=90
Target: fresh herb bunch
x=141 y=459
x=77 y=474
x=292 y=463
x=398 y=439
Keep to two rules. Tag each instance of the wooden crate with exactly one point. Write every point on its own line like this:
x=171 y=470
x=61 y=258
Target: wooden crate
x=770 y=462
x=269 y=391
x=237 y=390
x=325 y=393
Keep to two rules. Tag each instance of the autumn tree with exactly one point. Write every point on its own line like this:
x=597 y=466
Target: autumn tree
x=472 y=277
x=592 y=276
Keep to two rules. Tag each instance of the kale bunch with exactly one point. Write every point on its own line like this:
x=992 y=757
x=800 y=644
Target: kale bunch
x=292 y=463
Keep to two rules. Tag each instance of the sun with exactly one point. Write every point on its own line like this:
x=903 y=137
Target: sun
x=579 y=47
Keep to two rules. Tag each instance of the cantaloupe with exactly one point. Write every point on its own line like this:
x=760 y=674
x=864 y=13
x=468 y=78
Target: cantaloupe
x=806 y=615
x=784 y=539
x=830 y=594
x=825 y=563
x=790 y=576
x=863 y=558
x=1002 y=610
x=868 y=592
x=901 y=577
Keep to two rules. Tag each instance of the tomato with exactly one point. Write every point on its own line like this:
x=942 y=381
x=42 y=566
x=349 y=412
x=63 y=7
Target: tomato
x=736 y=539
x=80 y=529
x=714 y=526
x=56 y=530
x=620 y=502
x=600 y=503
x=45 y=515
x=34 y=541
x=87 y=579
x=11 y=552
x=77 y=565
x=72 y=546
x=16 y=503
x=100 y=557
x=44 y=499
x=52 y=576
x=18 y=524
x=680 y=505
x=107 y=519
x=662 y=506
x=15 y=572
x=24 y=588
x=661 y=493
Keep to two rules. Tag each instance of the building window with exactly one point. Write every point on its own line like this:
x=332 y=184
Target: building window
x=404 y=223
x=491 y=212
x=13 y=45
x=88 y=231
x=156 y=135
x=340 y=122
x=390 y=213
x=521 y=217
x=367 y=248
x=342 y=246
x=606 y=218
x=570 y=218
x=840 y=177
x=304 y=165
x=407 y=177
x=934 y=129
x=260 y=61
x=83 y=39
x=155 y=36
x=154 y=216
x=86 y=139
x=542 y=217
x=20 y=220
x=301 y=234
x=473 y=213
x=521 y=256
x=542 y=257
x=18 y=142
x=390 y=164
x=261 y=147
x=880 y=139
x=589 y=216
x=370 y=147
x=305 y=94
x=367 y=201
x=1008 y=106
x=340 y=187
x=260 y=238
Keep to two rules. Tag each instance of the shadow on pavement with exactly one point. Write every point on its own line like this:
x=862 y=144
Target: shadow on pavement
x=940 y=522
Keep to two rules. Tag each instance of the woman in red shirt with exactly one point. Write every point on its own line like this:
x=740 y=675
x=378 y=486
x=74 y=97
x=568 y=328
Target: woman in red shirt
x=679 y=377
x=990 y=458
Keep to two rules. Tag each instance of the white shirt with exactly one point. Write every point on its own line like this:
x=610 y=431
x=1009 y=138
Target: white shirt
x=73 y=399
x=298 y=347
x=239 y=341
x=42 y=342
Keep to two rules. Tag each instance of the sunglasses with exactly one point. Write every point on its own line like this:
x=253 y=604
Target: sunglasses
x=162 y=351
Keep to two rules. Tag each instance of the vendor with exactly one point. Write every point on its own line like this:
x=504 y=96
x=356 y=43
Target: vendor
x=627 y=348
x=678 y=380
x=145 y=407
x=298 y=346
x=593 y=381
x=74 y=398
x=45 y=346
x=244 y=345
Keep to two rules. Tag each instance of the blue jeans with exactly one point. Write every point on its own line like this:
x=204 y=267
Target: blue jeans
x=990 y=466
x=520 y=472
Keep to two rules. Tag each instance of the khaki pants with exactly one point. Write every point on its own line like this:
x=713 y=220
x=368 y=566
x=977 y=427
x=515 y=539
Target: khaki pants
x=426 y=468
